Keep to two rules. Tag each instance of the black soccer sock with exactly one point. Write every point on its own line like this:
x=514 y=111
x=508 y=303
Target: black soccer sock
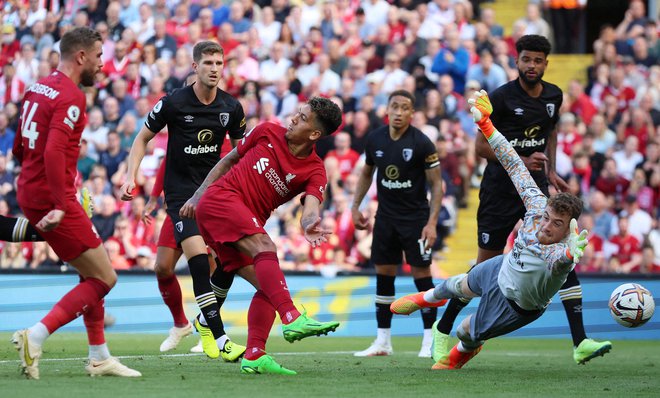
x=455 y=306
x=384 y=297
x=220 y=283
x=431 y=313
x=18 y=230
x=199 y=270
x=571 y=297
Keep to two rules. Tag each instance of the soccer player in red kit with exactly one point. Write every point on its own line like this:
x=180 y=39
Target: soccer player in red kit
x=270 y=166
x=52 y=121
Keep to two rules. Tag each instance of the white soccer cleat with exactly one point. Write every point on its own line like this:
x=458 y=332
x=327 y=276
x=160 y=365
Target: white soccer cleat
x=175 y=337
x=425 y=351
x=110 y=367
x=376 y=349
x=28 y=353
x=197 y=349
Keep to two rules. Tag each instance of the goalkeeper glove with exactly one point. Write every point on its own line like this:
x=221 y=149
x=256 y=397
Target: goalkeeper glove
x=481 y=109
x=576 y=242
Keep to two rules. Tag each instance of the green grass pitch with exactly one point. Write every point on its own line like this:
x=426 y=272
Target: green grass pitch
x=326 y=368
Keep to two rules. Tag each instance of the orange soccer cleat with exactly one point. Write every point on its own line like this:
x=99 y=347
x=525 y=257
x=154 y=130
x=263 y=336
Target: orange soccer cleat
x=406 y=305
x=456 y=359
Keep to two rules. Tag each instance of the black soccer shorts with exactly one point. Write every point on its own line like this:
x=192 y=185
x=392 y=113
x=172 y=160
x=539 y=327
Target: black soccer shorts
x=392 y=238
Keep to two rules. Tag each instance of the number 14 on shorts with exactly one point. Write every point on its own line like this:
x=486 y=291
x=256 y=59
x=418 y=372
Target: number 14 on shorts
x=422 y=247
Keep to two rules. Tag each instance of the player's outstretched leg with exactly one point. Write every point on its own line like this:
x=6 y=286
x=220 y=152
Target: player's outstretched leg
x=584 y=349
x=406 y=305
x=295 y=326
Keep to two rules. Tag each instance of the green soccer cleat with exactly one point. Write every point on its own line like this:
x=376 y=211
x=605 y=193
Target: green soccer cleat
x=440 y=345
x=264 y=364
x=589 y=349
x=209 y=345
x=231 y=352
x=304 y=326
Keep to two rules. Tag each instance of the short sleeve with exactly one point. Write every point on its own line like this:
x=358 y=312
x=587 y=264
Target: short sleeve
x=316 y=185
x=250 y=139
x=237 y=128
x=157 y=119
x=431 y=157
x=368 y=151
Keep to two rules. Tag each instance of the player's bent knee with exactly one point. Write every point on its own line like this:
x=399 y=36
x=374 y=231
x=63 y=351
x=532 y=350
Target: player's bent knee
x=163 y=270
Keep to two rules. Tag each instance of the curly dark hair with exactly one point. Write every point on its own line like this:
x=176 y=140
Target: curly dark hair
x=328 y=114
x=533 y=43
x=566 y=203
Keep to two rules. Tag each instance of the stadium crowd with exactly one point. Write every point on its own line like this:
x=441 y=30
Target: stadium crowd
x=279 y=53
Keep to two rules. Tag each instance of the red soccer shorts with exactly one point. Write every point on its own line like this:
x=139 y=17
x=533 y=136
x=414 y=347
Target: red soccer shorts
x=166 y=237
x=223 y=218
x=73 y=236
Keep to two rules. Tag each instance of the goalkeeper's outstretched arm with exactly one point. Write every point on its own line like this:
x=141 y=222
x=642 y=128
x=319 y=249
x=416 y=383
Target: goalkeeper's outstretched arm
x=530 y=193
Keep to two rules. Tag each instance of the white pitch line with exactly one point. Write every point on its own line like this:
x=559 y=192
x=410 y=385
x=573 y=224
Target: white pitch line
x=507 y=354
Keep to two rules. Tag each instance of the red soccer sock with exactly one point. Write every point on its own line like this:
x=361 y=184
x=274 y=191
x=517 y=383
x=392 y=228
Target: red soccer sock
x=77 y=301
x=272 y=282
x=261 y=316
x=94 y=323
x=171 y=293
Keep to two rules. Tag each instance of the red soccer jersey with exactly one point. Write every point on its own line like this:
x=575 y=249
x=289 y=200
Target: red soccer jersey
x=268 y=175
x=52 y=120
x=628 y=245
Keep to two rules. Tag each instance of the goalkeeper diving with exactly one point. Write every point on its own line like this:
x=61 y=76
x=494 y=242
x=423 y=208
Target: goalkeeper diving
x=515 y=288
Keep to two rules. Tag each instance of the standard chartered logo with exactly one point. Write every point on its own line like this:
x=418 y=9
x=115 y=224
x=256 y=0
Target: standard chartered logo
x=392 y=174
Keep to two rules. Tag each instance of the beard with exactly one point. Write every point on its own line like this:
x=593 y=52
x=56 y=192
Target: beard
x=88 y=78
x=529 y=81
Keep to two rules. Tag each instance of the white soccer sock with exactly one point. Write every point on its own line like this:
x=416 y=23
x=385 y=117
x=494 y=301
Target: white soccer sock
x=99 y=352
x=38 y=333
x=384 y=336
x=429 y=297
x=221 y=341
x=428 y=337
x=201 y=318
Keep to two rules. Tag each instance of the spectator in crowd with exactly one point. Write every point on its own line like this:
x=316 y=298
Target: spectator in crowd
x=627 y=250
x=6 y=136
x=628 y=158
x=452 y=60
x=96 y=133
x=164 y=42
x=489 y=74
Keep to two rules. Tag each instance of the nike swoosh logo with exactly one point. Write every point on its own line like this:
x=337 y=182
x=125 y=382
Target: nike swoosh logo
x=26 y=354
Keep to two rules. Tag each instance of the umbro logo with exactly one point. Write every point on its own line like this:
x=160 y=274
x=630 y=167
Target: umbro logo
x=189 y=118
x=289 y=177
x=261 y=165
x=518 y=111
x=379 y=154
